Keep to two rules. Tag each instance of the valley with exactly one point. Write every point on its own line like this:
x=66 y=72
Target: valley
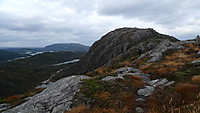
x=21 y=78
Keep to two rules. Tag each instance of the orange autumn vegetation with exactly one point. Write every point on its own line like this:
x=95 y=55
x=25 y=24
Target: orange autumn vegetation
x=196 y=79
x=186 y=88
x=158 y=70
x=173 y=63
x=135 y=77
x=126 y=63
x=85 y=109
x=105 y=70
x=102 y=95
x=191 y=46
x=12 y=98
x=15 y=98
x=188 y=91
x=79 y=109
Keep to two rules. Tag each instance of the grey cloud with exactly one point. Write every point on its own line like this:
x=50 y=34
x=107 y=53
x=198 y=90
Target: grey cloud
x=158 y=11
x=39 y=23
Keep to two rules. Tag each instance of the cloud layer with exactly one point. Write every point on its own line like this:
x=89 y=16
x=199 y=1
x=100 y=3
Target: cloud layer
x=25 y=23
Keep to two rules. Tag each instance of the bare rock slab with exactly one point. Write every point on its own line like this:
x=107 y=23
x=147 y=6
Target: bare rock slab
x=56 y=98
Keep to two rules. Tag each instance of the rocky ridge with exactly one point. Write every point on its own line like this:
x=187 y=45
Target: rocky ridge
x=117 y=45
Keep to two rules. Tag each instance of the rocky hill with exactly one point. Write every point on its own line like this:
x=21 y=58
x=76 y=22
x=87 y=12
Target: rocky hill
x=129 y=70
x=118 y=45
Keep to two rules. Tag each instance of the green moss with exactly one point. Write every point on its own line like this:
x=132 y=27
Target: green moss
x=180 y=73
x=93 y=86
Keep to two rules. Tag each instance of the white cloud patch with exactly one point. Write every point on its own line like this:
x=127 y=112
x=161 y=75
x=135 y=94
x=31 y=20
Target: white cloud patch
x=42 y=22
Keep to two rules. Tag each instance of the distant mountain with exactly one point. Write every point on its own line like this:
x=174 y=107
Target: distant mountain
x=23 y=50
x=12 y=53
x=66 y=47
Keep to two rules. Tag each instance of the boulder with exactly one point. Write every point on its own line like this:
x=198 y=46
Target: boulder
x=148 y=90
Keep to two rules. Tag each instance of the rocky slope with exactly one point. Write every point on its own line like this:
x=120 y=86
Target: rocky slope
x=54 y=99
x=116 y=45
x=164 y=77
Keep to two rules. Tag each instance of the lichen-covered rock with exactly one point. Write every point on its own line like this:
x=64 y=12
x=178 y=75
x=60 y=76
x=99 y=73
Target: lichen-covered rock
x=157 y=53
x=126 y=70
x=108 y=78
x=146 y=91
x=151 y=85
x=158 y=82
x=56 y=98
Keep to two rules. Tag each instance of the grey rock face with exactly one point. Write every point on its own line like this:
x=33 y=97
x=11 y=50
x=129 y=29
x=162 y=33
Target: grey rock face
x=195 y=61
x=56 y=98
x=157 y=53
x=4 y=106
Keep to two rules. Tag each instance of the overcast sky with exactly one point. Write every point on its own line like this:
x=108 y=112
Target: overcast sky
x=37 y=23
